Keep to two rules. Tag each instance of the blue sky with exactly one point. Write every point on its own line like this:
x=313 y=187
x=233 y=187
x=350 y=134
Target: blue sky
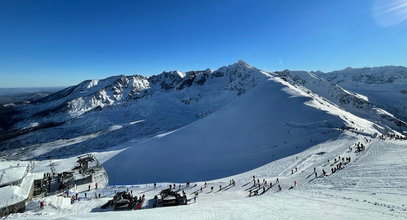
x=63 y=42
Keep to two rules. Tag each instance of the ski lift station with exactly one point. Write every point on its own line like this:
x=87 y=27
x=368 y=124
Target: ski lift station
x=19 y=182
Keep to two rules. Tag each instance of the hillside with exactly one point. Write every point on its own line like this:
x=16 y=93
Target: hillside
x=273 y=121
x=385 y=87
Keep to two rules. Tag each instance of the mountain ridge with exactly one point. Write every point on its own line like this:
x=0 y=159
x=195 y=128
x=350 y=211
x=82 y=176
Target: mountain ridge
x=85 y=117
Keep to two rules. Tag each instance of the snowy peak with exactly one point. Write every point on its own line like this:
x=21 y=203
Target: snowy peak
x=241 y=64
x=167 y=80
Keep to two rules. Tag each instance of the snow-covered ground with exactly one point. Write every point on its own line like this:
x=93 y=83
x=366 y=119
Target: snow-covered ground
x=372 y=186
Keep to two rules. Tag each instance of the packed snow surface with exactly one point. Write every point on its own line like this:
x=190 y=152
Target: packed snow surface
x=365 y=188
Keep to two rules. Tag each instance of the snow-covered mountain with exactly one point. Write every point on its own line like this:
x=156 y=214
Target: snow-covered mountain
x=293 y=129
x=88 y=115
x=99 y=114
x=385 y=87
x=352 y=102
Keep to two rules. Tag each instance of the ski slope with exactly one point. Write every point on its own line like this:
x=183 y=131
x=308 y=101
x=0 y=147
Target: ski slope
x=246 y=134
x=364 y=189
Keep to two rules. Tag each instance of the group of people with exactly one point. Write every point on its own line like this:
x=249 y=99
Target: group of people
x=294 y=170
x=359 y=147
x=392 y=136
x=254 y=190
x=139 y=201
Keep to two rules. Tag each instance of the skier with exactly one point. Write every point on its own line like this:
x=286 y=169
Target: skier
x=211 y=188
x=277 y=181
x=185 y=199
x=155 y=201
x=316 y=175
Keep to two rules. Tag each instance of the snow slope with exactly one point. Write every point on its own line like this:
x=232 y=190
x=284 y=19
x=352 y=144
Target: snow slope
x=385 y=87
x=349 y=101
x=268 y=123
x=364 y=189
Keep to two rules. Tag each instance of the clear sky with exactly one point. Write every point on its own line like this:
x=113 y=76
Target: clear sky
x=63 y=42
